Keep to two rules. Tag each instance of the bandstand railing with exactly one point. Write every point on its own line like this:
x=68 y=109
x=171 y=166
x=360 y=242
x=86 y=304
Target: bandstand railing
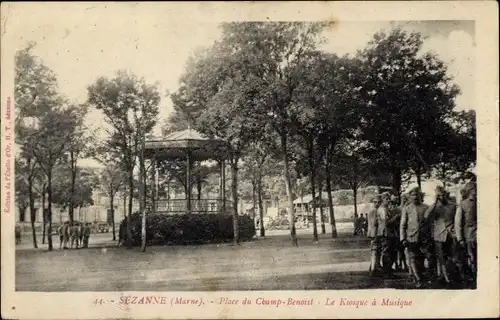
x=179 y=206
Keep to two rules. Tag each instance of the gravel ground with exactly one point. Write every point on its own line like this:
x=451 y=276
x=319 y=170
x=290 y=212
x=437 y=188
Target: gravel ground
x=269 y=263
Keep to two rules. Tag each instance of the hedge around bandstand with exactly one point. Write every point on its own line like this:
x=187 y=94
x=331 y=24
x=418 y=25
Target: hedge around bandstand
x=164 y=229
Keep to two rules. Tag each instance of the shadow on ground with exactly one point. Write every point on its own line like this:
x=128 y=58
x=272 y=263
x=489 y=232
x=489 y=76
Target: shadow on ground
x=270 y=263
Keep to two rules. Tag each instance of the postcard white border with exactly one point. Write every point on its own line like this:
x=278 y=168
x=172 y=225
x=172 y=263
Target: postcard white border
x=482 y=302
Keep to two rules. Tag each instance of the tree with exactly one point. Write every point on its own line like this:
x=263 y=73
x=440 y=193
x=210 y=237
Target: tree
x=455 y=153
x=353 y=171
x=130 y=107
x=43 y=124
x=111 y=180
x=35 y=91
x=253 y=68
x=271 y=51
x=79 y=147
x=35 y=85
x=407 y=96
x=27 y=171
x=66 y=192
x=226 y=118
x=48 y=143
x=22 y=198
x=327 y=97
x=257 y=164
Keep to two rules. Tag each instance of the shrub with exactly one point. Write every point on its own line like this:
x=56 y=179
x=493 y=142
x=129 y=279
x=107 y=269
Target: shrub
x=164 y=229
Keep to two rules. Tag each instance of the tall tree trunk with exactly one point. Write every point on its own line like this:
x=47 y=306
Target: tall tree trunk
x=124 y=202
x=143 y=196
x=153 y=186
x=112 y=205
x=130 y=203
x=312 y=176
x=396 y=180
x=328 y=161
x=22 y=212
x=254 y=199
x=44 y=190
x=418 y=173
x=288 y=187
x=322 y=217
x=355 y=197
x=355 y=180
x=32 y=212
x=234 y=191
x=72 y=188
x=49 y=215
x=261 y=207
x=198 y=188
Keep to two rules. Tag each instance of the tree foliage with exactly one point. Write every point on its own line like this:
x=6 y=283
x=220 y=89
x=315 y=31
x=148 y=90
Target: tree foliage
x=408 y=95
x=130 y=107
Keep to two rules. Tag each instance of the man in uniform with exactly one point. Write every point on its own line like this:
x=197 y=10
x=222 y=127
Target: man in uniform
x=74 y=235
x=356 y=224
x=394 y=224
x=412 y=219
x=17 y=231
x=60 y=232
x=362 y=224
x=442 y=213
x=466 y=225
x=385 y=234
x=81 y=228
x=65 y=234
x=372 y=234
x=86 y=235
x=427 y=250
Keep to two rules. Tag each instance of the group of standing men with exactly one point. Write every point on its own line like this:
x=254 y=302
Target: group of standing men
x=425 y=240
x=75 y=234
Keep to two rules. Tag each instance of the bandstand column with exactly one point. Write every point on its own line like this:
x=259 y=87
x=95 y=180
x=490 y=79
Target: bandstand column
x=153 y=185
x=156 y=183
x=222 y=184
x=188 y=181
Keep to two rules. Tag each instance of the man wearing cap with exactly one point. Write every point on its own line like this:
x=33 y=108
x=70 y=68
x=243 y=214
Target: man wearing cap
x=412 y=220
x=442 y=213
x=372 y=234
x=466 y=224
x=65 y=234
x=428 y=252
x=394 y=223
x=385 y=233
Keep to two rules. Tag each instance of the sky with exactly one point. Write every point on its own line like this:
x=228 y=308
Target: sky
x=88 y=44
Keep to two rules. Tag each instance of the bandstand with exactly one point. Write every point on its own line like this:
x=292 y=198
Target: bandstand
x=188 y=146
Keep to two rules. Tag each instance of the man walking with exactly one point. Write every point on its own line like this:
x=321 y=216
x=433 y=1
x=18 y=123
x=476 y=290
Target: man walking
x=372 y=234
x=394 y=224
x=386 y=234
x=466 y=225
x=74 y=235
x=412 y=219
x=17 y=230
x=60 y=233
x=86 y=235
x=442 y=212
x=65 y=234
x=356 y=224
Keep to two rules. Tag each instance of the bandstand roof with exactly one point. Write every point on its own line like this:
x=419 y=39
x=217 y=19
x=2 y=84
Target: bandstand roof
x=177 y=145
